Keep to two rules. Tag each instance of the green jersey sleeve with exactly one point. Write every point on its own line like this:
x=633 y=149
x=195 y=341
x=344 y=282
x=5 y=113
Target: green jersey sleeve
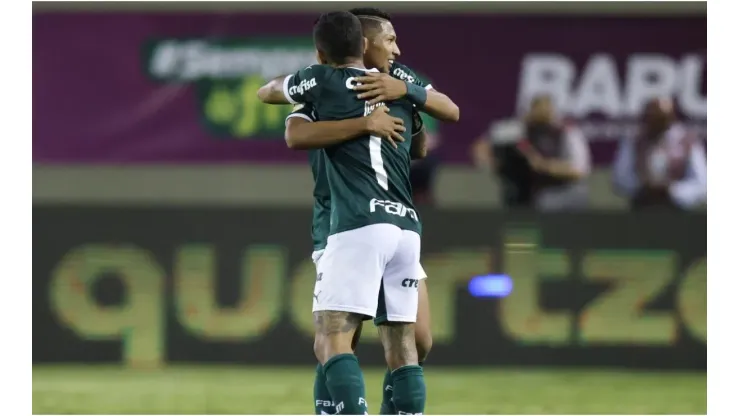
x=404 y=73
x=304 y=111
x=305 y=85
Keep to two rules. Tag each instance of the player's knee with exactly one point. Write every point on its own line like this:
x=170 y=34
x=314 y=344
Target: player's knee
x=325 y=347
x=423 y=344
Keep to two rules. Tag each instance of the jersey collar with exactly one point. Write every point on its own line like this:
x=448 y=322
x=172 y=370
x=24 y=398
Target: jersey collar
x=364 y=69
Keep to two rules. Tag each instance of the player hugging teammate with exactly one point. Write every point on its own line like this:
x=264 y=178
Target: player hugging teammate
x=366 y=231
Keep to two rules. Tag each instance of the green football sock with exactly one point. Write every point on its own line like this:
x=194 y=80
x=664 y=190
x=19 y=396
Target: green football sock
x=386 y=407
x=346 y=385
x=409 y=390
x=321 y=397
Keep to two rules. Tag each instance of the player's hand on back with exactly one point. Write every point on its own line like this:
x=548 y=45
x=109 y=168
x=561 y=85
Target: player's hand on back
x=379 y=87
x=380 y=123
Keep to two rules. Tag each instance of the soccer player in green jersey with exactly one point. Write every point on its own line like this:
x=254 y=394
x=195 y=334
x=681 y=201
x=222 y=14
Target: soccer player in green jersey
x=374 y=229
x=304 y=131
x=382 y=52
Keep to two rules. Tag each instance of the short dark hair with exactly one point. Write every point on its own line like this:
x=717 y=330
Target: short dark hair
x=371 y=12
x=338 y=36
x=370 y=17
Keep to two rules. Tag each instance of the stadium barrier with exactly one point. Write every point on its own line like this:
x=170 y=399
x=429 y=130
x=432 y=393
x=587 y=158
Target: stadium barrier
x=153 y=286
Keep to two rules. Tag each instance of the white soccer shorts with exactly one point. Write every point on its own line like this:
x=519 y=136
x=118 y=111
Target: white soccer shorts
x=355 y=262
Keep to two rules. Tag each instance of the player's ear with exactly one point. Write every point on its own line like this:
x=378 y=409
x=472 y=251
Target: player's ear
x=365 y=42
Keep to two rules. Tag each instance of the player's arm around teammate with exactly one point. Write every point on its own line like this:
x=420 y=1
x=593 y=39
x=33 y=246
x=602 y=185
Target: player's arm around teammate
x=378 y=87
x=272 y=92
x=302 y=133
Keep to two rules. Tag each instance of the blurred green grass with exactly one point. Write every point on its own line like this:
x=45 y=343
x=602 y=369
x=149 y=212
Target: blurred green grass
x=288 y=390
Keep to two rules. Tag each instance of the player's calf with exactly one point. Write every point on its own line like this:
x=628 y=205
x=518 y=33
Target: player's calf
x=407 y=377
x=423 y=345
x=334 y=332
x=423 y=327
x=423 y=336
x=399 y=344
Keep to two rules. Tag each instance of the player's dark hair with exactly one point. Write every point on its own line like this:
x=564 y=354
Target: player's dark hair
x=371 y=12
x=370 y=17
x=338 y=36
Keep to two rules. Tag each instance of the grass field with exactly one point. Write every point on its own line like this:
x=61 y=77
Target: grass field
x=288 y=390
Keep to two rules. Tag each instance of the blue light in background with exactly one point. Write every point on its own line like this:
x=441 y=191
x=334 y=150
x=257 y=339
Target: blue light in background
x=490 y=286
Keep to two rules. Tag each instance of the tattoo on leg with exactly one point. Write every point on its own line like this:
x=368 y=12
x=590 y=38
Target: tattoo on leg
x=399 y=343
x=330 y=322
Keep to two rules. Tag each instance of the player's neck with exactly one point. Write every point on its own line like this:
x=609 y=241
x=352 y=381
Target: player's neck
x=352 y=64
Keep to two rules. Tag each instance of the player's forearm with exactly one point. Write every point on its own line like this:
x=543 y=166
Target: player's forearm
x=272 y=92
x=320 y=134
x=419 y=145
x=441 y=107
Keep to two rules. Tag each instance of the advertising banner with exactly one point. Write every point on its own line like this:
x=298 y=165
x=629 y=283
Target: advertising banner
x=151 y=286
x=170 y=87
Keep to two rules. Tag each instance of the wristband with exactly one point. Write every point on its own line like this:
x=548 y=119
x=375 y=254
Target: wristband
x=416 y=94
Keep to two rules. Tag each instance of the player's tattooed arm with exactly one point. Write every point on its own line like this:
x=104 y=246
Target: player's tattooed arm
x=272 y=92
x=301 y=134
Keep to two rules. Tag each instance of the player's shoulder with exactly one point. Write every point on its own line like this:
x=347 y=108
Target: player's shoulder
x=316 y=71
x=330 y=75
x=317 y=68
x=402 y=72
x=328 y=69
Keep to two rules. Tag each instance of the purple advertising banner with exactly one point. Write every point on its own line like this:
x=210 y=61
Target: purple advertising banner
x=181 y=87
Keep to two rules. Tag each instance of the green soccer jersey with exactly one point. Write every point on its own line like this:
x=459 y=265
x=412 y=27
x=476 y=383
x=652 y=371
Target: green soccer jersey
x=368 y=179
x=321 y=191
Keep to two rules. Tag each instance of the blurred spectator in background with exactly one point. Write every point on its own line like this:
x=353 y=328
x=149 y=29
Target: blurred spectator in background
x=495 y=151
x=541 y=162
x=665 y=165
